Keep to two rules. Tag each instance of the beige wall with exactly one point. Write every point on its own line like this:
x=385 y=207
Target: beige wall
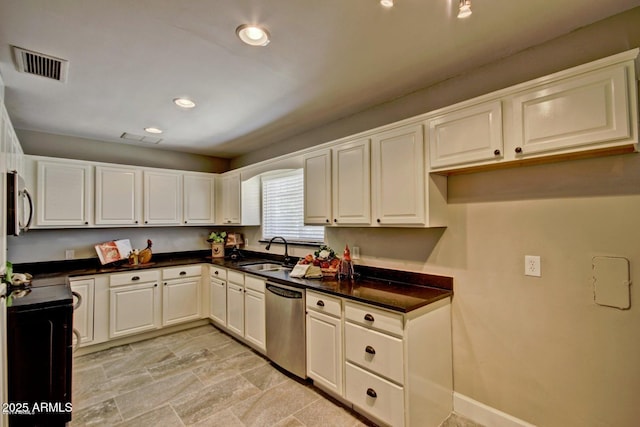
x=70 y=147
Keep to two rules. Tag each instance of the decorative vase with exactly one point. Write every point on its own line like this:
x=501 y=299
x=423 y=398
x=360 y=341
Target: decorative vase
x=217 y=250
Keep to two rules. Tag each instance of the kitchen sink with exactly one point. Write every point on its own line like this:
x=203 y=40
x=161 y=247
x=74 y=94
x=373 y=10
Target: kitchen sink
x=266 y=266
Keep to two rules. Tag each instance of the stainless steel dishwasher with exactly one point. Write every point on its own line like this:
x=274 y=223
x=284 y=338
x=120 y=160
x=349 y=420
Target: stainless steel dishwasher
x=286 y=330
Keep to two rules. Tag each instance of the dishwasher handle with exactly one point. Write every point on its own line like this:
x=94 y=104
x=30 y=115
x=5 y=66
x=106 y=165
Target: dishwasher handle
x=284 y=292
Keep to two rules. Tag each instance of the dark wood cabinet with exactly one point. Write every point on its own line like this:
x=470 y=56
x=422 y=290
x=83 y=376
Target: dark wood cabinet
x=39 y=347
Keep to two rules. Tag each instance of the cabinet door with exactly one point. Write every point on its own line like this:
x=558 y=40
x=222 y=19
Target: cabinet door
x=351 y=183
x=118 y=195
x=235 y=308
x=218 y=302
x=466 y=136
x=64 y=194
x=231 y=199
x=134 y=309
x=199 y=199
x=254 y=319
x=317 y=187
x=3 y=197
x=573 y=113
x=180 y=300
x=324 y=350
x=162 y=198
x=83 y=313
x=398 y=176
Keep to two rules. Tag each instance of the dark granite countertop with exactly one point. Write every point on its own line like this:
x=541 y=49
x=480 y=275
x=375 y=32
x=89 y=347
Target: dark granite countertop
x=392 y=289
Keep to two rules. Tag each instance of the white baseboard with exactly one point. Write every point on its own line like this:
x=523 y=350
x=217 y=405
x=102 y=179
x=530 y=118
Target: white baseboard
x=483 y=414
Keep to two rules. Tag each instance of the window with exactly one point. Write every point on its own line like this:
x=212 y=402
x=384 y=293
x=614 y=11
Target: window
x=283 y=209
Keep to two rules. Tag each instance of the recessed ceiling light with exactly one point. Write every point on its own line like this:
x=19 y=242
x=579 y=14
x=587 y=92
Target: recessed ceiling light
x=464 y=9
x=153 y=130
x=184 y=102
x=253 y=35
x=386 y=3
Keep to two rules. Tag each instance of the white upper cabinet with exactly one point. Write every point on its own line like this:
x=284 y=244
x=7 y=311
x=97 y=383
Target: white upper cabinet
x=64 y=193
x=118 y=195
x=467 y=135
x=162 y=197
x=587 y=110
x=317 y=187
x=199 y=198
x=573 y=113
x=351 y=183
x=398 y=176
x=231 y=199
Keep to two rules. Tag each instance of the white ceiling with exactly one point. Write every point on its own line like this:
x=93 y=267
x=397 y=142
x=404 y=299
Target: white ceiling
x=327 y=59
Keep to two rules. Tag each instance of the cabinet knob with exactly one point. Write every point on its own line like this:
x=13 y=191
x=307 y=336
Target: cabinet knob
x=215 y=272
x=368 y=317
x=372 y=393
x=496 y=153
x=155 y=285
x=185 y=222
x=165 y=283
x=183 y=273
x=146 y=222
x=86 y=223
x=320 y=303
x=518 y=150
x=134 y=278
x=378 y=220
x=335 y=220
x=136 y=222
x=327 y=220
x=370 y=350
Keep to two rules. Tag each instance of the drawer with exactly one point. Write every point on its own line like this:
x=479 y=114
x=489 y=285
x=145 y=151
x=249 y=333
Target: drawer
x=324 y=303
x=218 y=272
x=375 y=351
x=374 y=395
x=133 y=277
x=182 y=271
x=235 y=277
x=374 y=318
x=254 y=283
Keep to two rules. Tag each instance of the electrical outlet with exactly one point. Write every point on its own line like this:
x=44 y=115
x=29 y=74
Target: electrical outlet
x=355 y=252
x=532 y=265
x=69 y=254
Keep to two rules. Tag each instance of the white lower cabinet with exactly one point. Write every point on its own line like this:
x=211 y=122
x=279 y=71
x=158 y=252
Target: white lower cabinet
x=398 y=366
x=235 y=308
x=324 y=341
x=135 y=303
x=83 y=310
x=374 y=395
x=181 y=294
x=254 y=312
x=218 y=295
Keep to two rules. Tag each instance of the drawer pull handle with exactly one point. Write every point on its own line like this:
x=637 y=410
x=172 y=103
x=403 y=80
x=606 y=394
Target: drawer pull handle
x=372 y=393
x=370 y=350
x=134 y=278
x=183 y=273
x=320 y=303
x=368 y=317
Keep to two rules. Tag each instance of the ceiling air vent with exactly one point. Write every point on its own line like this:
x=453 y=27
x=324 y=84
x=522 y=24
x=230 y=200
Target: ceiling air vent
x=39 y=64
x=140 y=138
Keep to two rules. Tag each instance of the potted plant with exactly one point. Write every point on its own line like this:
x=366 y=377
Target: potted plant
x=217 y=243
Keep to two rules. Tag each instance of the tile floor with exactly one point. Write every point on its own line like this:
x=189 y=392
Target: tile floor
x=198 y=377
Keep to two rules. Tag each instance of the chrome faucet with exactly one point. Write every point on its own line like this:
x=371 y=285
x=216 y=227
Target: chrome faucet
x=287 y=259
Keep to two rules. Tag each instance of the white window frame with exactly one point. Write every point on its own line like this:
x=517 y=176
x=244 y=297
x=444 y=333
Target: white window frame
x=299 y=232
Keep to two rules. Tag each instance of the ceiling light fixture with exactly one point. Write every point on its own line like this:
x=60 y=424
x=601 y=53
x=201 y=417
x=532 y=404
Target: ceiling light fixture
x=253 y=35
x=184 y=102
x=465 y=9
x=386 y=3
x=153 y=130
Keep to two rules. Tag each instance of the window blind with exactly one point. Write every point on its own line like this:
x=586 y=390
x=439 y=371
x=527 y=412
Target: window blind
x=283 y=209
